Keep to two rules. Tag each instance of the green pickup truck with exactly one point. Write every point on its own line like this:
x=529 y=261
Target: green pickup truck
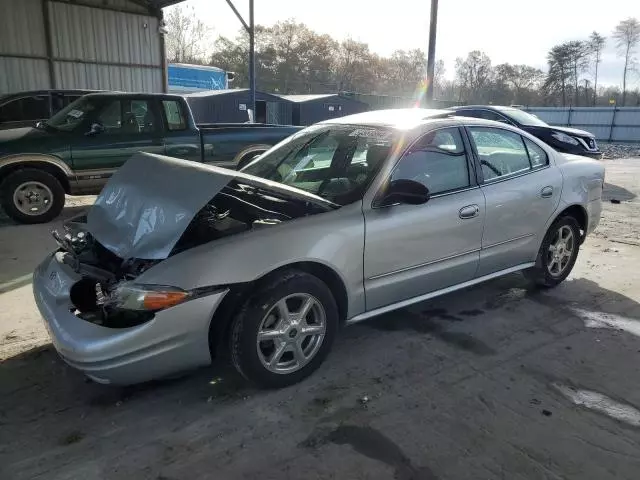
x=78 y=149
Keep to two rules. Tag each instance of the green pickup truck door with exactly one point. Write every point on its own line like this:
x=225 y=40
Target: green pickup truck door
x=120 y=128
x=181 y=139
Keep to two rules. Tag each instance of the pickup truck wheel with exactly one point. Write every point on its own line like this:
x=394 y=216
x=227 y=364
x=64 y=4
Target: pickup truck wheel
x=284 y=331
x=247 y=159
x=31 y=196
x=558 y=253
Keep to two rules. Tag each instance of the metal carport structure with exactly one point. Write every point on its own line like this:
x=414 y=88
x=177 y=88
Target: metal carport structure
x=90 y=44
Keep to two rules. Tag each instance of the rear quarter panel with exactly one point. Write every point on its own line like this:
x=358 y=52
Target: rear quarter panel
x=583 y=182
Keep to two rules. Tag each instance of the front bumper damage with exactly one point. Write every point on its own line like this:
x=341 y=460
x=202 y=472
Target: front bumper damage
x=164 y=345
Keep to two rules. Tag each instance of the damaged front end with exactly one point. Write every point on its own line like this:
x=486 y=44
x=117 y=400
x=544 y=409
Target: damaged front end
x=101 y=296
x=136 y=224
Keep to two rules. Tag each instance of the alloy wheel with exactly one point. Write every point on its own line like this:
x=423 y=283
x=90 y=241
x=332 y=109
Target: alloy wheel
x=560 y=251
x=291 y=333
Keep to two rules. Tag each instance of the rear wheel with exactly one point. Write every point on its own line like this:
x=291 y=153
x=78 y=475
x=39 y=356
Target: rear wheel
x=32 y=196
x=558 y=253
x=285 y=330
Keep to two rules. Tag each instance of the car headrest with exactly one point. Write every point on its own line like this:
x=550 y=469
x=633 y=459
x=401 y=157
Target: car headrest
x=377 y=154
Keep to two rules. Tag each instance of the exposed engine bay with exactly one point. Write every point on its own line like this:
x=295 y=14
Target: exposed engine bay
x=237 y=208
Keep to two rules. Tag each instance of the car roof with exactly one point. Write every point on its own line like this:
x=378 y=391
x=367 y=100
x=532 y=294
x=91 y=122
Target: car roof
x=401 y=118
x=134 y=94
x=28 y=93
x=499 y=108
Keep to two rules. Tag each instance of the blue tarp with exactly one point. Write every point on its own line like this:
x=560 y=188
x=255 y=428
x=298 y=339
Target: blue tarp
x=195 y=77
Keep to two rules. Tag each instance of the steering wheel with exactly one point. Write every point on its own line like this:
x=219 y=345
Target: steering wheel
x=491 y=167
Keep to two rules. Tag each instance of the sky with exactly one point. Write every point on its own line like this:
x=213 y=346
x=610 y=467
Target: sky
x=514 y=31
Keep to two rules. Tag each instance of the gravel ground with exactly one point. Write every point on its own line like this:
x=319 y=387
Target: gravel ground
x=619 y=150
x=494 y=382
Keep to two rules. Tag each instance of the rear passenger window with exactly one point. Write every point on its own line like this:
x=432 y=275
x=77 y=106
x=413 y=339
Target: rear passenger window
x=537 y=155
x=437 y=160
x=26 y=108
x=501 y=152
x=173 y=112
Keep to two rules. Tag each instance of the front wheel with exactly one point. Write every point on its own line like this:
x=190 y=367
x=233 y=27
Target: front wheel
x=557 y=255
x=30 y=195
x=285 y=330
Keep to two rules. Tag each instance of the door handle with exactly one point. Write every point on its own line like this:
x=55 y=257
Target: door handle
x=470 y=211
x=546 y=192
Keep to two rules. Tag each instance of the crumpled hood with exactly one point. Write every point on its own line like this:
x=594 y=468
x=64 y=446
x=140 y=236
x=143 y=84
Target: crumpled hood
x=149 y=202
x=146 y=206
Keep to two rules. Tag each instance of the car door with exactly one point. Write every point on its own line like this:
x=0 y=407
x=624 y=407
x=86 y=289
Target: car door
x=411 y=250
x=126 y=126
x=522 y=189
x=181 y=140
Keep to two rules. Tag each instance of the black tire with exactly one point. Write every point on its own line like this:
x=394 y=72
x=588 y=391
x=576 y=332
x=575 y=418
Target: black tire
x=246 y=159
x=245 y=326
x=540 y=275
x=19 y=177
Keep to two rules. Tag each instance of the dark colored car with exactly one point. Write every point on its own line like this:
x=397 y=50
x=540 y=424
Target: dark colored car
x=25 y=109
x=563 y=139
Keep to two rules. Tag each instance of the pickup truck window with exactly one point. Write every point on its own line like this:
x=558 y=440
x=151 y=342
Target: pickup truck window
x=27 y=108
x=72 y=115
x=173 y=113
x=127 y=116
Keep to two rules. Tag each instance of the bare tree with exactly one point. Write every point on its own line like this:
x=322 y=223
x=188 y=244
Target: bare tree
x=596 y=44
x=577 y=52
x=187 y=36
x=439 y=72
x=521 y=79
x=474 y=75
x=627 y=37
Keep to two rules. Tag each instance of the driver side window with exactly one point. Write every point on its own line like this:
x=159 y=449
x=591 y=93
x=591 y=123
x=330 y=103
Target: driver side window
x=437 y=160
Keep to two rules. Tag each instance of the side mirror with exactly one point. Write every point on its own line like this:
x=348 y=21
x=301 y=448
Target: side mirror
x=409 y=192
x=96 y=128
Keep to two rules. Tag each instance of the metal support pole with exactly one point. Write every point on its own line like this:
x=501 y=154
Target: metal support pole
x=252 y=52
x=613 y=122
x=47 y=42
x=431 y=57
x=252 y=61
x=163 y=54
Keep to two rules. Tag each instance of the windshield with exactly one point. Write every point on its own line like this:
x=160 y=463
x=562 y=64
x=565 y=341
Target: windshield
x=73 y=114
x=336 y=162
x=523 y=118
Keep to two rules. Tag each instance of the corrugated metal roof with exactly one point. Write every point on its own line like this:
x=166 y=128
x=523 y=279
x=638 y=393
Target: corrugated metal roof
x=308 y=98
x=209 y=93
x=24 y=74
x=22 y=29
x=129 y=5
x=108 y=77
x=235 y=91
x=97 y=35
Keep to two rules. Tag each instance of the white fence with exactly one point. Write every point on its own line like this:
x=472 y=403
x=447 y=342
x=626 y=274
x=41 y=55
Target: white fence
x=620 y=124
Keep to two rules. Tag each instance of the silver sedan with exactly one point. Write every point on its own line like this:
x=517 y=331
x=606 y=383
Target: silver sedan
x=343 y=221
